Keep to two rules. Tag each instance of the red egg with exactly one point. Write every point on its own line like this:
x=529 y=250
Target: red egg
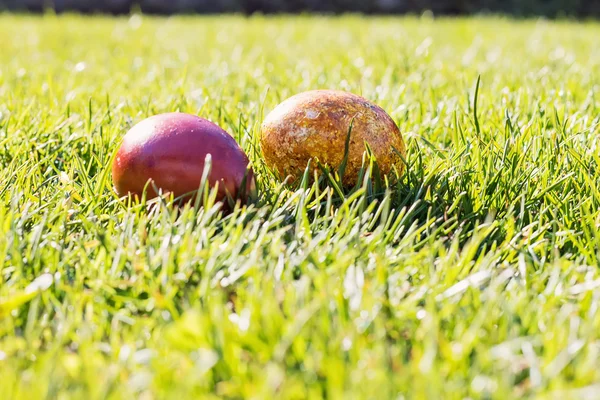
x=168 y=151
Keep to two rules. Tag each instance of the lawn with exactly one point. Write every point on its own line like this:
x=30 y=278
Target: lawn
x=477 y=275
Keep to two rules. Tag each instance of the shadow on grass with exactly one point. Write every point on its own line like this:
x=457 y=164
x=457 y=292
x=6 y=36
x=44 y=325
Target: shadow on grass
x=414 y=194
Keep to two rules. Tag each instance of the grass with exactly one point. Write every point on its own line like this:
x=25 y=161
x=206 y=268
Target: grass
x=477 y=275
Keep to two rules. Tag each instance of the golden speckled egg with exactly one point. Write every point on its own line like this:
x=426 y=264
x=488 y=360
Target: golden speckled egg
x=315 y=124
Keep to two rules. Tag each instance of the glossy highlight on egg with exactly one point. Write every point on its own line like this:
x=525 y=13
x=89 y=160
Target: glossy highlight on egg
x=167 y=153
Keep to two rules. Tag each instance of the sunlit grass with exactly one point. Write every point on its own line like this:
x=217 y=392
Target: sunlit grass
x=476 y=275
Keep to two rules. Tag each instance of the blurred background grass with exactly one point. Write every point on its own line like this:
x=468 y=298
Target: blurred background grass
x=550 y=8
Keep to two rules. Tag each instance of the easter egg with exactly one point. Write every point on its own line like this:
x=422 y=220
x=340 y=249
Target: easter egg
x=168 y=153
x=315 y=125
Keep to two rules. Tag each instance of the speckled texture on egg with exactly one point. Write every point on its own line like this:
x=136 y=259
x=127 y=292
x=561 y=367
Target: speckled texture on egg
x=315 y=124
